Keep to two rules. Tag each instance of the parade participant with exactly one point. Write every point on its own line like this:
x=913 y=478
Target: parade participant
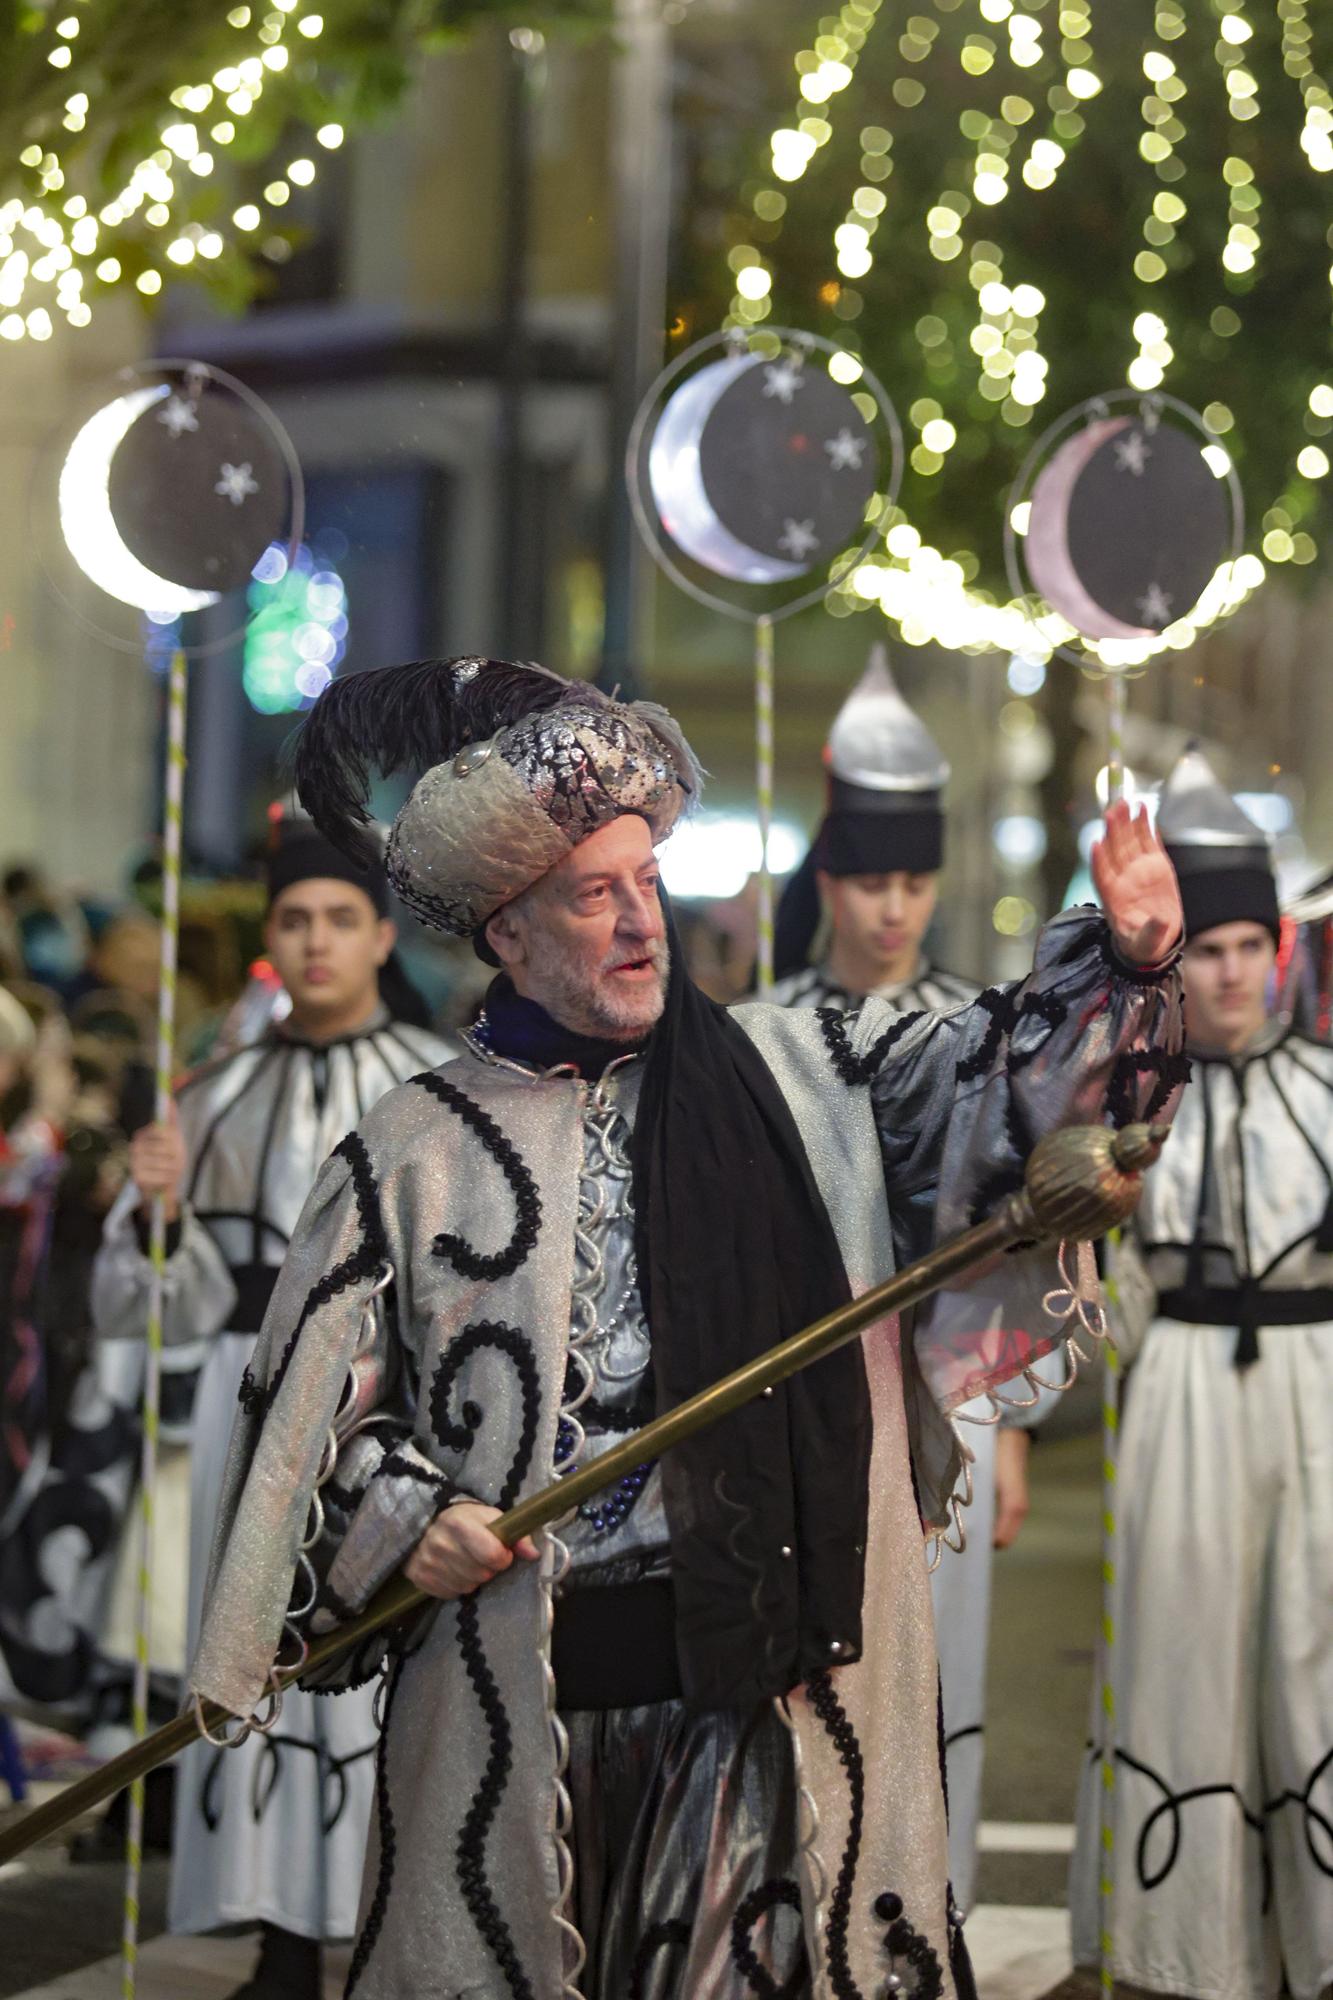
x=696 y=1738
x=274 y=1833
x=1223 y=1613
x=876 y=860
x=872 y=872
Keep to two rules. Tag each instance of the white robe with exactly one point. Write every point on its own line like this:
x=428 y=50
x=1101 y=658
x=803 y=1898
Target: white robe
x=1223 y=1602
x=274 y=1831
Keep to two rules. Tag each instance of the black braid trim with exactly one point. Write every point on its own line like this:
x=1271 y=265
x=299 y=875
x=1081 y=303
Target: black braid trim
x=1171 y=1067
x=857 y=1071
x=619 y=1417
x=674 y=1931
x=903 y=1942
x=395 y=1466
x=1135 y=975
x=461 y=1436
x=470 y=1263
x=833 y=1716
x=363 y=1262
x=768 y=1896
x=379 y=1902
x=470 y=1851
x=1007 y=1009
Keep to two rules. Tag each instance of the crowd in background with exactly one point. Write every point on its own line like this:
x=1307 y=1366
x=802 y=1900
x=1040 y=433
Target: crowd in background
x=78 y=1002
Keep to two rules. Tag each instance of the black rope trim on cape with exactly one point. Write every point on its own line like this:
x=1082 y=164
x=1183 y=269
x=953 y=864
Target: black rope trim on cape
x=1171 y=1068
x=1008 y=1006
x=768 y=1896
x=906 y=1946
x=462 y=1435
x=363 y=1262
x=470 y=1852
x=379 y=1902
x=857 y=1071
x=834 y=1717
x=395 y=1466
x=673 y=1931
x=266 y=1775
x=470 y=1263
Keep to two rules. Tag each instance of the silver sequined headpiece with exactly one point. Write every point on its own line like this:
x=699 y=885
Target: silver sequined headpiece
x=480 y=829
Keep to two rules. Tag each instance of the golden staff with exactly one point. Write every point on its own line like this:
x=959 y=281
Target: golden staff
x=1080 y=1182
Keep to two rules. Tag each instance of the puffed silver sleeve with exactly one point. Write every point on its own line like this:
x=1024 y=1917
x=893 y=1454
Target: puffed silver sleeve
x=961 y=1099
x=325 y=1374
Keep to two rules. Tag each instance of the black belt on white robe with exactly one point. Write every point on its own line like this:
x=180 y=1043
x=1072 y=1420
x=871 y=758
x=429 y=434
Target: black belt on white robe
x=1246 y=1307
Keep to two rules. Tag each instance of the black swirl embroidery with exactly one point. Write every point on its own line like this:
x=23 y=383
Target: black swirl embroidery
x=364 y=1262
x=1312 y=1817
x=768 y=1896
x=857 y=1071
x=461 y=1434
x=907 y=1948
x=470 y=1852
x=379 y=1902
x=1168 y=1810
x=1171 y=1067
x=837 y=1724
x=1008 y=1007
x=673 y=1932
x=470 y=1263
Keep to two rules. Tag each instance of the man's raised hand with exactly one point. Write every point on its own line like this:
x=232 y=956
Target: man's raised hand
x=1137 y=887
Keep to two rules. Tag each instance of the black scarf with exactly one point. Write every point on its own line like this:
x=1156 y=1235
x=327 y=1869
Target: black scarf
x=767 y=1509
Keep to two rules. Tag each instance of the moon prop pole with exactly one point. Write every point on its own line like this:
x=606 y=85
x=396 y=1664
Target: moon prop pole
x=1080 y=1182
x=763 y=743
x=173 y=800
x=1117 y=692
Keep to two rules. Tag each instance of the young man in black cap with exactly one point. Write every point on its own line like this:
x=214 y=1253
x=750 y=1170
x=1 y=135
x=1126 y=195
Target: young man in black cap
x=273 y=1833
x=874 y=864
x=1222 y=1302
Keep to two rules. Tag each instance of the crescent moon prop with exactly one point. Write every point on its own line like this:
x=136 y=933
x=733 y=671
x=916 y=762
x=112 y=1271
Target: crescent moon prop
x=89 y=527
x=675 y=474
x=1048 y=537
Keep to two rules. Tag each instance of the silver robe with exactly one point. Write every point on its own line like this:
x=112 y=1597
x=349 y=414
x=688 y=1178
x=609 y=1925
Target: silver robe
x=467 y=1192
x=276 y=1831
x=1223 y=1605
x=960 y=1582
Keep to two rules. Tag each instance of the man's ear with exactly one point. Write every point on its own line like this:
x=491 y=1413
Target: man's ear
x=385 y=939
x=505 y=938
x=824 y=883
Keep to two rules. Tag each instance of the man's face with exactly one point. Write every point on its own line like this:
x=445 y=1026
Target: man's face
x=880 y=920
x=1226 y=973
x=327 y=945
x=588 y=942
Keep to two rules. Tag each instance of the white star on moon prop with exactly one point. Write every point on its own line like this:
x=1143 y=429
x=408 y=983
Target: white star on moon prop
x=1132 y=453
x=798 y=538
x=178 y=416
x=782 y=379
x=845 y=450
x=1155 y=604
x=237 y=483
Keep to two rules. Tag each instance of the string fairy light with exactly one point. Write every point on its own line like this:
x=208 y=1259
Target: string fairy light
x=44 y=262
x=930 y=593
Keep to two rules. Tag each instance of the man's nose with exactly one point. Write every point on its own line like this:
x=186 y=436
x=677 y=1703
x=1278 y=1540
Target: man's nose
x=642 y=914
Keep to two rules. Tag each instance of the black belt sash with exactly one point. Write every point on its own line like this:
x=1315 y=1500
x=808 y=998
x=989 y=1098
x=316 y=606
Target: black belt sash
x=614 y=1645
x=1246 y=1307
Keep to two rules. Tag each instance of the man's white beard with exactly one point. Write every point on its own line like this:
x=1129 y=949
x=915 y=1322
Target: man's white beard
x=579 y=1000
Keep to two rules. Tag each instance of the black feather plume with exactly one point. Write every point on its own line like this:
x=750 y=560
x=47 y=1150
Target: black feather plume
x=407 y=719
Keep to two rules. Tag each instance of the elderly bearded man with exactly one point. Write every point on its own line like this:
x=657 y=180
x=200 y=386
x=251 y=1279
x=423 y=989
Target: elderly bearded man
x=694 y=1737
